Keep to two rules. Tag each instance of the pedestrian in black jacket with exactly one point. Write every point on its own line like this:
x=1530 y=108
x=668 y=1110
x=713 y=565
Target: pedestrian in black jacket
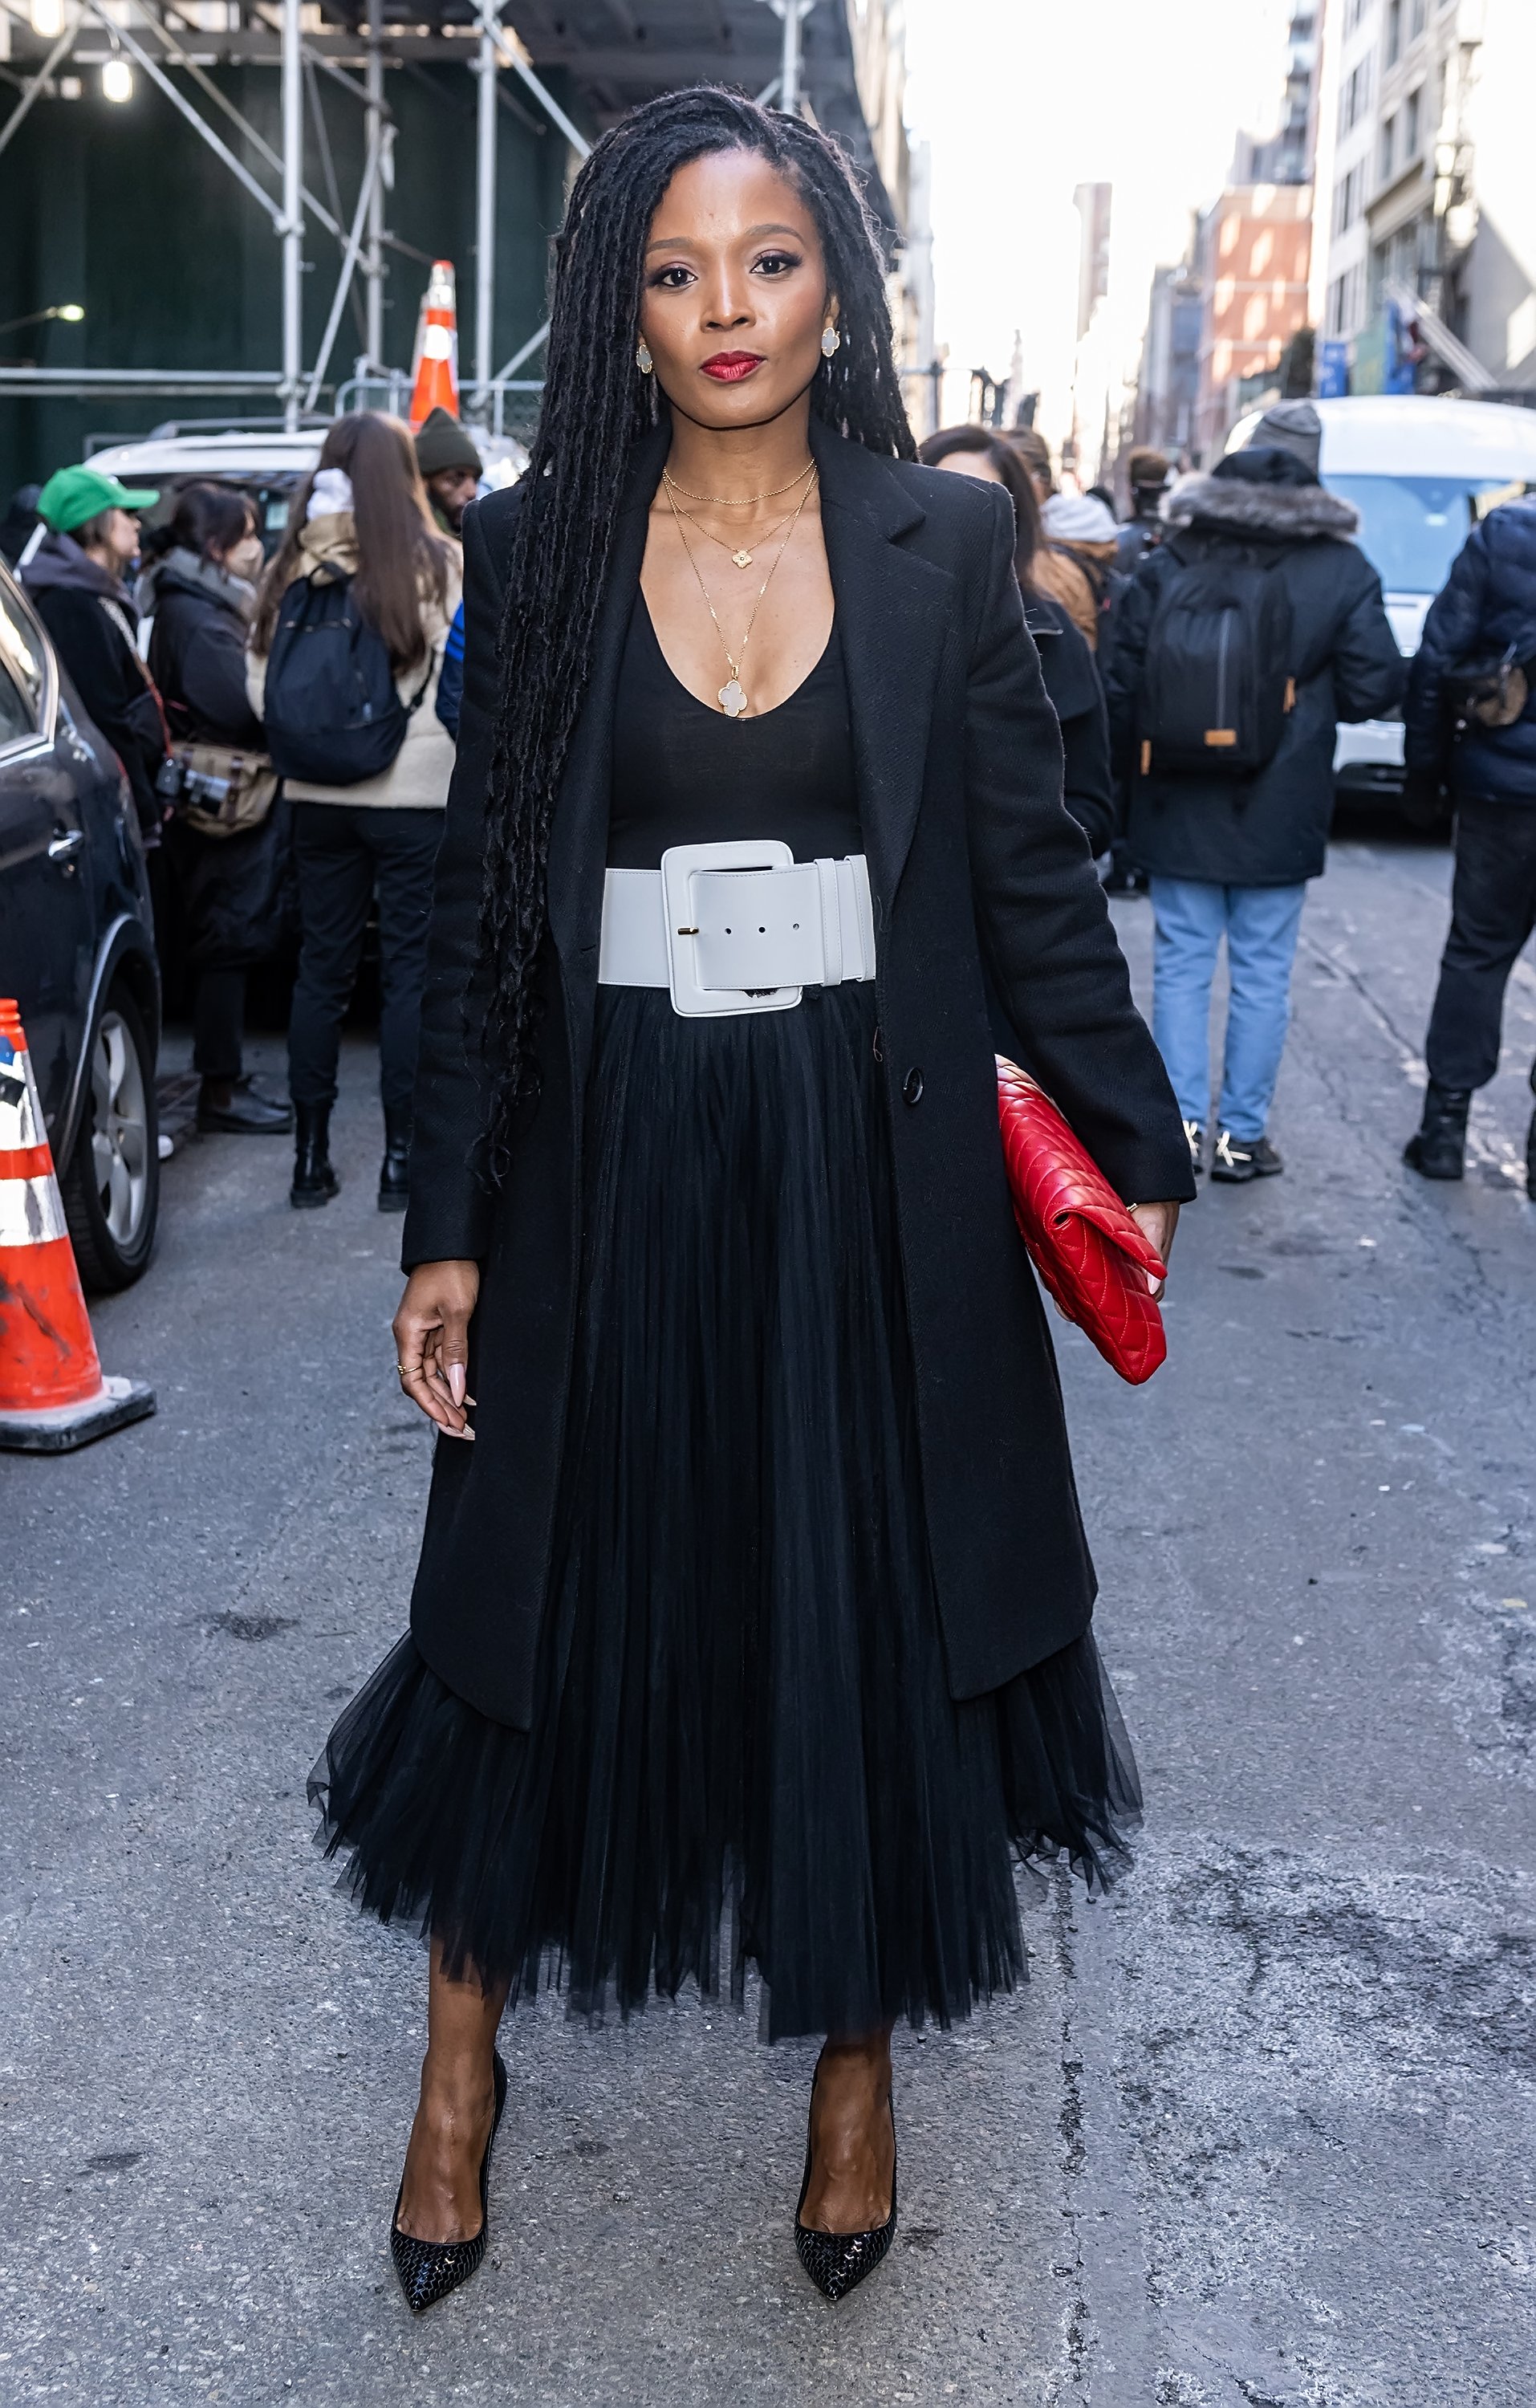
x=200 y=593
x=1485 y=613
x=765 y=1556
x=1066 y=662
x=76 y=579
x=1229 y=855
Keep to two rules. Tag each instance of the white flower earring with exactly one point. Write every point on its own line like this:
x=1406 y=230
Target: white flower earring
x=830 y=339
x=643 y=359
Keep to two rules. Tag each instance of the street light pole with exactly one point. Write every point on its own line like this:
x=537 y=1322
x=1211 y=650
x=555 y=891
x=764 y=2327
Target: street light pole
x=373 y=258
x=485 y=212
x=785 y=90
x=789 y=61
x=292 y=213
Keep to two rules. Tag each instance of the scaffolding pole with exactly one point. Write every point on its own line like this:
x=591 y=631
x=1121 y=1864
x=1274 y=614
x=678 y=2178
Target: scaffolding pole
x=293 y=214
x=373 y=258
x=485 y=212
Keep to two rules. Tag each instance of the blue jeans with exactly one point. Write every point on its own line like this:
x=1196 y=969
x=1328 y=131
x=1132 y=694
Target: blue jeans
x=1260 y=925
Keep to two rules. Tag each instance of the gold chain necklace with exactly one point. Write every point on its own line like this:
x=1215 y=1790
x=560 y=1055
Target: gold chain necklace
x=740 y=556
x=724 y=501
x=732 y=695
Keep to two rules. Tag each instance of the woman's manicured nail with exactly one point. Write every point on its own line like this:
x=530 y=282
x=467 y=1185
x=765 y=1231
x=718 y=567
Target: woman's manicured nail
x=458 y=1381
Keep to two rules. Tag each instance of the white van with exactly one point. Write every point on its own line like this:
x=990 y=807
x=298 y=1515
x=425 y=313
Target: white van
x=1421 y=472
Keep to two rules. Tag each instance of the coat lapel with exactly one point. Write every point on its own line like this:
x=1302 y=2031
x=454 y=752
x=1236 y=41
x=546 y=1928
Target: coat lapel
x=894 y=616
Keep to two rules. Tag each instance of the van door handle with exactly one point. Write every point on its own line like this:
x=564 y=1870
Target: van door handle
x=67 y=844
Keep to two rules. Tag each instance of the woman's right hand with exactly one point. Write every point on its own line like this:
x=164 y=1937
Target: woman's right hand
x=432 y=1341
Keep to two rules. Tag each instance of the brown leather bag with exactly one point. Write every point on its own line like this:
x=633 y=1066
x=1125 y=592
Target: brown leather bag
x=217 y=791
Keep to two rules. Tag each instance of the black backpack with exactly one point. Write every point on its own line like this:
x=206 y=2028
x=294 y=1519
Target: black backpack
x=333 y=714
x=1216 y=681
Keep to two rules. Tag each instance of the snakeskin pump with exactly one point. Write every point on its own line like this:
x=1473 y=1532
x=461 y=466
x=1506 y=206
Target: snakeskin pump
x=837 y=2262
x=429 y=2269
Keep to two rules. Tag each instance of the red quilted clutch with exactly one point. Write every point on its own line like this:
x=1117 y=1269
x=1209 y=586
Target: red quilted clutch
x=1086 y=1248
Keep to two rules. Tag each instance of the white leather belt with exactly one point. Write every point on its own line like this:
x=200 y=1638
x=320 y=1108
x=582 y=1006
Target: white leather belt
x=736 y=926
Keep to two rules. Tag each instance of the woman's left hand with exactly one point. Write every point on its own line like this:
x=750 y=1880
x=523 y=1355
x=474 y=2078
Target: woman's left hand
x=1156 y=1222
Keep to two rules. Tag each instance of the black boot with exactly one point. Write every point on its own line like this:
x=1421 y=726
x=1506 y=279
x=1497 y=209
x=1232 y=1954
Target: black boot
x=395 y=1178
x=314 y=1181
x=1439 y=1149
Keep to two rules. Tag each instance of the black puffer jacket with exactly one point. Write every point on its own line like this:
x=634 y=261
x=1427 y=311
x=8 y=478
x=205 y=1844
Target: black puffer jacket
x=1488 y=604
x=197 y=649
x=1270 y=828
x=236 y=891
x=89 y=614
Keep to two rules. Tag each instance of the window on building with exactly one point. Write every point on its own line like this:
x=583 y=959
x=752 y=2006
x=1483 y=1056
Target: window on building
x=1415 y=22
x=1389 y=146
x=1411 y=124
x=1336 y=305
x=1394 y=32
x=1352 y=100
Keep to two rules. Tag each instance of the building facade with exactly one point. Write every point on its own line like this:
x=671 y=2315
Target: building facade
x=1425 y=218
x=1254 y=252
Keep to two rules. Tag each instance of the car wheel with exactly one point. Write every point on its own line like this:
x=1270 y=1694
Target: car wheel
x=111 y=1183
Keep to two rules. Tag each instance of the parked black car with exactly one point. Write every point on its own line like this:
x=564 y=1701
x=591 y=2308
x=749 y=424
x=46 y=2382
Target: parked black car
x=76 y=950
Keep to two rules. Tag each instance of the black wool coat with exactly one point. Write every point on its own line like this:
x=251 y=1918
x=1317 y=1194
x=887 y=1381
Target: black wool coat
x=1271 y=829
x=979 y=876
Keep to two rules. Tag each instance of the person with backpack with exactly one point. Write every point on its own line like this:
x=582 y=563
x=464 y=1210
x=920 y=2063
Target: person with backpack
x=227 y=836
x=346 y=654
x=1471 y=723
x=1251 y=629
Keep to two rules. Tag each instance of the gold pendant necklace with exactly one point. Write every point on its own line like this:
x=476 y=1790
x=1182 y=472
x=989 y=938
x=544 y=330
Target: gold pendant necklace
x=740 y=556
x=732 y=695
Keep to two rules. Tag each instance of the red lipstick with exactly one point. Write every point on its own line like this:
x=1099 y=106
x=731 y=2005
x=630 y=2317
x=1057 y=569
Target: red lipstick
x=729 y=367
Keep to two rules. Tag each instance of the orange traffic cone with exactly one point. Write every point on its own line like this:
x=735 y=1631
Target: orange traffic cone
x=52 y=1395
x=436 y=364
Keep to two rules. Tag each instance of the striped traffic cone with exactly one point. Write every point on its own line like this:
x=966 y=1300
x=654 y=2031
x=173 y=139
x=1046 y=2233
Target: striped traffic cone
x=437 y=368
x=52 y=1395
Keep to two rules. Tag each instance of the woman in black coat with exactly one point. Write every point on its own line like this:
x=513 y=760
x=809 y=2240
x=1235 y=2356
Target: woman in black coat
x=200 y=589
x=755 y=1597
x=1066 y=663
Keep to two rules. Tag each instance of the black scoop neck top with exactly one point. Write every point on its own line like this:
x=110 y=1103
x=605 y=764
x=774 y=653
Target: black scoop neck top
x=685 y=774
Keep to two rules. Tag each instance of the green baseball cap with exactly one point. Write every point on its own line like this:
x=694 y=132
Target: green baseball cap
x=72 y=495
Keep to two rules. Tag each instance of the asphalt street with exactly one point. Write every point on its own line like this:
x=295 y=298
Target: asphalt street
x=1258 y=2134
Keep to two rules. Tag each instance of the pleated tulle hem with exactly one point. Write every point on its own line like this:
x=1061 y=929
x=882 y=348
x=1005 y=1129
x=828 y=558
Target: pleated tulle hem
x=744 y=1752
x=417 y=1794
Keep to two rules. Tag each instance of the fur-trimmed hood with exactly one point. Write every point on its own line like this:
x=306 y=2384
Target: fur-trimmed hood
x=1290 y=512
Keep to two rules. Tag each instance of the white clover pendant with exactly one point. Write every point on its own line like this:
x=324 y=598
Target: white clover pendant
x=742 y=559
x=733 y=700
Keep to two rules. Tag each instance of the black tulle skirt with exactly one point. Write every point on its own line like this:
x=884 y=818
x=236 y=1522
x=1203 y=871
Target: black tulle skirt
x=744 y=1750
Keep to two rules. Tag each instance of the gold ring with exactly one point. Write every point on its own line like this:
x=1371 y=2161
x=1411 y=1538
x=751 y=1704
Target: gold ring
x=405 y=1369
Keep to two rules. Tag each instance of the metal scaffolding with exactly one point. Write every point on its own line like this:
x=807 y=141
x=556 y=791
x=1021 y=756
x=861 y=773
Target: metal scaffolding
x=728 y=40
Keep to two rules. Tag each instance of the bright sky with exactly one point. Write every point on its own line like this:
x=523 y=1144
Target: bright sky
x=1023 y=99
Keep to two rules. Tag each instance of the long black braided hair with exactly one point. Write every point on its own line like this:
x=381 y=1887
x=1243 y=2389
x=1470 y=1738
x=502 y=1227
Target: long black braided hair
x=595 y=404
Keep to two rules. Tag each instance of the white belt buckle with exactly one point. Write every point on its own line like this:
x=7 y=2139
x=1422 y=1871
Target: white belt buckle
x=679 y=864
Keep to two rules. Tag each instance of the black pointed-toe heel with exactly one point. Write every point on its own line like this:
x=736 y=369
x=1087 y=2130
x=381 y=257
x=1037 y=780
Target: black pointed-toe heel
x=429 y=2269
x=837 y=2262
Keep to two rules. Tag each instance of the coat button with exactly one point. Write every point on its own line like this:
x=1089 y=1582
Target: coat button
x=912 y=1087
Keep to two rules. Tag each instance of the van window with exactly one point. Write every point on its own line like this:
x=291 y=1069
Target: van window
x=1412 y=527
